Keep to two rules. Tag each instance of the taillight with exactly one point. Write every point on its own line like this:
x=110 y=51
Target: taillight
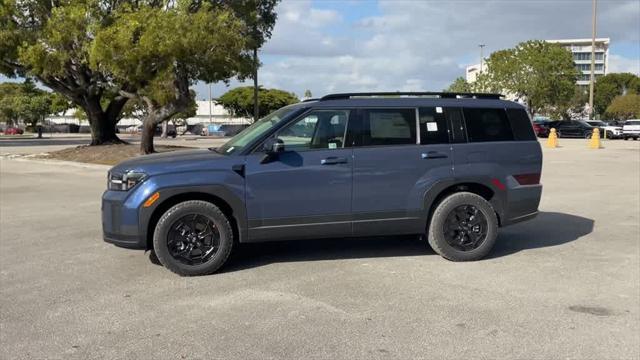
x=527 y=179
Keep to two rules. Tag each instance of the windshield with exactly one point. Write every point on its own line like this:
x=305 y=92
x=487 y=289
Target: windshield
x=246 y=136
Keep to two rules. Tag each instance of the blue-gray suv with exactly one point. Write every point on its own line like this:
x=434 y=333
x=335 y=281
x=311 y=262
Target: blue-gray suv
x=449 y=167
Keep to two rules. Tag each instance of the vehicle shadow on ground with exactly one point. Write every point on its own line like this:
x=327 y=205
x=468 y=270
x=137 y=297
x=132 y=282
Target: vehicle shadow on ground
x=546 y=230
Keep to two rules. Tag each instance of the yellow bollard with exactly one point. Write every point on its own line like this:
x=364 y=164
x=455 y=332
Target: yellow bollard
x=594 y=142
x=552 y=141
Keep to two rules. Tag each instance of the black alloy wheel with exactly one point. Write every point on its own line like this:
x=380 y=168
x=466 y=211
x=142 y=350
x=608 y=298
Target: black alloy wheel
x=465 y=228
x=193 y=239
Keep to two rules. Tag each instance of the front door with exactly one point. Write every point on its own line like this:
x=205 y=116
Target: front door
x=398 y=156
x=304 y=191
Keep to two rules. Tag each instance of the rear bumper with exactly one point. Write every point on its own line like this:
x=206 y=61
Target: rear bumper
x=522 y=204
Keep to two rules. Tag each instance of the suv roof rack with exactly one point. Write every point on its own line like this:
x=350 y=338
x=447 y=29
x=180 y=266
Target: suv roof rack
x=442 y=95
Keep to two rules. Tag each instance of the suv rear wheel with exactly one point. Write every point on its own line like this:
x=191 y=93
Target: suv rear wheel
x=193 y=238
x=463 y=227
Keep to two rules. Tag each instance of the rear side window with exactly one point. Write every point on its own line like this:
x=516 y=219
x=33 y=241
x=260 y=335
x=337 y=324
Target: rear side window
x=389 y=127
x=433 y=126
x=487 y=125
x=521 y=124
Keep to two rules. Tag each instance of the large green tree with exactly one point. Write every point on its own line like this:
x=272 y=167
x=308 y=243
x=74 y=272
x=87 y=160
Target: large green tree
x=541 y=73
x=609 y=86
x=459 y=85
x=624 y=107
x=239 y=101
x=162 y=51
x=49 y=41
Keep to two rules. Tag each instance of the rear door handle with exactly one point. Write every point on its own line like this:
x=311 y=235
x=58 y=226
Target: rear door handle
x=433 y=155
x=333 y=160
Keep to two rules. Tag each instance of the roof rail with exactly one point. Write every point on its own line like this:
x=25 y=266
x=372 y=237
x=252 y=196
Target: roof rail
x=310 y=99
x=442 y=95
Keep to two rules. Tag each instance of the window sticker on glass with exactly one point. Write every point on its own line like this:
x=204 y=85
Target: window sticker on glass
x=439 y=110
x=333 y=145
x=432 y=126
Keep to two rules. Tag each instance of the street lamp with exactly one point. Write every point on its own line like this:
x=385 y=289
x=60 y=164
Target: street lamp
x=593 y=58
x=481 y=56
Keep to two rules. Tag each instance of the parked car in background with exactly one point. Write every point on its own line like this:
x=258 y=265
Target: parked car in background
x=451 y=170
x=171 y=130
x=13 y=131
x=609 y=130
x=631 y=129
x=572 y=129
x=541 y=128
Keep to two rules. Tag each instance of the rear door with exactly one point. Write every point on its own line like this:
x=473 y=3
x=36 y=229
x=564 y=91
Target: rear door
x=392 y=168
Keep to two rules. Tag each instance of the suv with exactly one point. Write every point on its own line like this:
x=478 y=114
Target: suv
x=453 y=167
x=610 y=131
x=572 y=128
x=631 y=129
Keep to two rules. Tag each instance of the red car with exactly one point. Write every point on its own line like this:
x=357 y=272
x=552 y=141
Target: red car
x=541 y=129
x=13 y=131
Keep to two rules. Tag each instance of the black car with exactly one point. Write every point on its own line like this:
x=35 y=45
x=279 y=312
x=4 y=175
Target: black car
x=574 y=129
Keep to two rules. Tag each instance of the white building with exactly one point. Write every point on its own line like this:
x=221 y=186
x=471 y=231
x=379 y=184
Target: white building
x=206 y=113
x=581 y=50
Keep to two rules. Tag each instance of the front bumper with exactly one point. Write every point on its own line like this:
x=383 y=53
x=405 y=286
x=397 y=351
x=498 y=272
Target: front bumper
x=120 y=220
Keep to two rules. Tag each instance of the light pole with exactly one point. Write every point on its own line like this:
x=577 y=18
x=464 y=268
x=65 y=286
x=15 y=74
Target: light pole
x=210 y=112
x=481 y=56
x=593 y=58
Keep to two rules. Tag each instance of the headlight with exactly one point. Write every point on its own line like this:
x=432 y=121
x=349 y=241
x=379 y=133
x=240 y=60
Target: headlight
x=124 y=182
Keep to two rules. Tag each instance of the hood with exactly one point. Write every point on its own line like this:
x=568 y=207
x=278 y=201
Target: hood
x=173 y=161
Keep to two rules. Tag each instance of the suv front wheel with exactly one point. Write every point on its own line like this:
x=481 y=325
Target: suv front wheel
x=193 y=238
x=463 y=227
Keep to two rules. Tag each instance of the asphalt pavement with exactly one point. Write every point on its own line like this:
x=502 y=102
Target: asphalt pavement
x=564 y=285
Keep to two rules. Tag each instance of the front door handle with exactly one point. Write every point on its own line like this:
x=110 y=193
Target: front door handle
x=433 y=155
x=333 y=160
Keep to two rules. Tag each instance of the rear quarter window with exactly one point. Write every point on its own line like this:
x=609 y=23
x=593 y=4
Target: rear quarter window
x=484 y=124
x=521 y=124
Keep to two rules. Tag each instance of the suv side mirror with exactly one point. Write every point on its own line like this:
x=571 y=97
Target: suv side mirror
x=272 y=147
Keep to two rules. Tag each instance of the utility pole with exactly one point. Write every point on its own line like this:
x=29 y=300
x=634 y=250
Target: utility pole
x=256 y=64
x=481 y=56
x=210 y=112
x=593 y=58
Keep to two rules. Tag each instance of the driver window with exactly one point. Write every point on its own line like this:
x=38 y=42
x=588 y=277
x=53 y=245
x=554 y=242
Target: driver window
x=321 y=129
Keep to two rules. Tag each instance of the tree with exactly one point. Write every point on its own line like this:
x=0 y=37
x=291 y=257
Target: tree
x=624 y=107
x=308 y=94
x=49 y=41
x=260 y=18
x=239 y=101
x=28 y=104
x=459 y=85
x=162 y=50
x=541 y=73
x=609 y=86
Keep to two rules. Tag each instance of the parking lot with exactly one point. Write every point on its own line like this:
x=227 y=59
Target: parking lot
x=564 y=285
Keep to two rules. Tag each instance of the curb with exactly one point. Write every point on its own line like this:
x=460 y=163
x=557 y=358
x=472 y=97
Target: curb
x=28 y=158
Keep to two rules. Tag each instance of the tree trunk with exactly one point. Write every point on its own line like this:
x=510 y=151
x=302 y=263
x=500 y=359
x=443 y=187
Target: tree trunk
x=165 y=126
x=148 y=131
x=103 y=130
x=256 y=108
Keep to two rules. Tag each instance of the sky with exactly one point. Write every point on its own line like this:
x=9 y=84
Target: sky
x=388 y=45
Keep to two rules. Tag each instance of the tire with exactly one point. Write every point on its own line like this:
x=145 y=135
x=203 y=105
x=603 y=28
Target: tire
x=436 y=232
x=625 y=138
x=219 y=225
x=610 y=135
x=587 y=135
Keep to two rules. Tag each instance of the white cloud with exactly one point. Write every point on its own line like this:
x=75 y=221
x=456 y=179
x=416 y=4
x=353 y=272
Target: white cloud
x=424 y=45
x=619 y=63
